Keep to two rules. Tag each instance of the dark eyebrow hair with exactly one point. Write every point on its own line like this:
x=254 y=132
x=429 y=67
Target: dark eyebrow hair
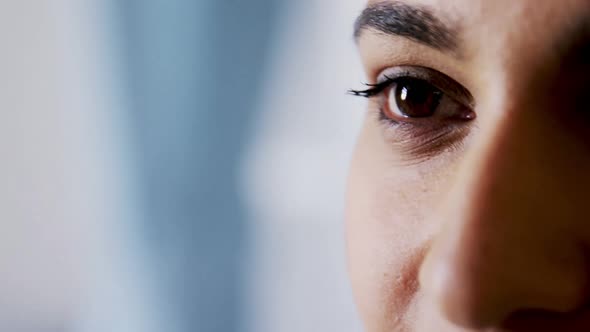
x=415 y=23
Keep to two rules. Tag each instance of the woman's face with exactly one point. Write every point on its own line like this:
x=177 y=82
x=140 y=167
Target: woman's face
x=469 y=192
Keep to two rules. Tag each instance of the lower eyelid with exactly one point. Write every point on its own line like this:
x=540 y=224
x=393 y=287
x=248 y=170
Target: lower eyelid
x=417 y=143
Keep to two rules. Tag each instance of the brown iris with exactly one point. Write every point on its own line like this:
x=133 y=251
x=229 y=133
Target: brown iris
x=414 y=98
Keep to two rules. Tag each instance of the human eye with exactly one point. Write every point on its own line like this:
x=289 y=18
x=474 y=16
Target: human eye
x=422 y=110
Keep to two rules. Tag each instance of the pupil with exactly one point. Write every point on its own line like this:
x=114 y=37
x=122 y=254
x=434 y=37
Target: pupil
x=417 y=98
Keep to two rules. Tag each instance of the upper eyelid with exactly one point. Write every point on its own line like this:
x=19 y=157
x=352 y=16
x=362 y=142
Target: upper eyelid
x=443 y=82
x=383 y=83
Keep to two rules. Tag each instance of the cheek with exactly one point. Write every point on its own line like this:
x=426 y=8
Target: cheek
x=386 y=231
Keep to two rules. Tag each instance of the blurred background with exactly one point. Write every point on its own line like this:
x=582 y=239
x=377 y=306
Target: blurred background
x=176 y=165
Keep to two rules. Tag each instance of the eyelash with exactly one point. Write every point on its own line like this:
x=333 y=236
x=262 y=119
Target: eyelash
x=374 y=89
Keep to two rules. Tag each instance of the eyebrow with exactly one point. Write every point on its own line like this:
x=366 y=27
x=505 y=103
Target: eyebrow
x=415 y=23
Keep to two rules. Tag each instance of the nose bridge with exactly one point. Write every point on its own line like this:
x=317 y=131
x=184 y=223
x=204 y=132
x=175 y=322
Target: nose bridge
x=507 y=241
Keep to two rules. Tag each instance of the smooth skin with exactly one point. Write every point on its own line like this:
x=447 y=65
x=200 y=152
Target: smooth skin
x=490 y=232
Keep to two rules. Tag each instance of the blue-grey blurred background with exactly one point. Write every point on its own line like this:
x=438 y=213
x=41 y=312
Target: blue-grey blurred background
x=176 y=165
